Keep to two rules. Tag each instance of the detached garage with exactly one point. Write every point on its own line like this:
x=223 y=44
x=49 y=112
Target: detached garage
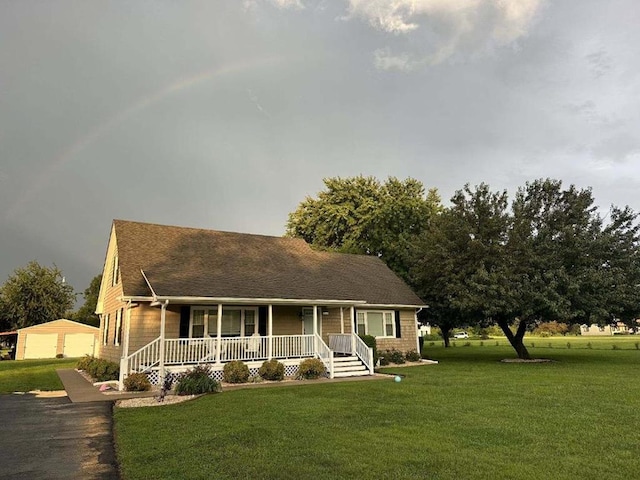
x=47 y=340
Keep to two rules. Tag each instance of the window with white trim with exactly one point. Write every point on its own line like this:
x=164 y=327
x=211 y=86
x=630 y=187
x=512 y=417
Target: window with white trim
x=117 y=337
x=377 y=323
x=236 y=322
x=115 y=271
x=105 y=332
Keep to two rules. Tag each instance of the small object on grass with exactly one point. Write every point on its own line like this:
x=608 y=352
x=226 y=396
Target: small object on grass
x=398 y=379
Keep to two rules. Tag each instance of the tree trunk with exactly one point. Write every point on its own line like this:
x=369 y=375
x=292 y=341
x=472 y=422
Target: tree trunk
x=445 y=336
x=516 y=340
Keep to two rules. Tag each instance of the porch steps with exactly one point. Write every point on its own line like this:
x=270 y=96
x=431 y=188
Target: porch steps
x=350 y=366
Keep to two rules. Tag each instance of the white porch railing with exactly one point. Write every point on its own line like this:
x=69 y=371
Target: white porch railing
x=325 y=354
x=144 y=358
x=365 y=353
x=340 y=343
x=192 y=351
x=186 y=351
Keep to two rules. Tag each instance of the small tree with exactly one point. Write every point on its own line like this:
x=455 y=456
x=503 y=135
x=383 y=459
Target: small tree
x=35 y=294
x=86 y=313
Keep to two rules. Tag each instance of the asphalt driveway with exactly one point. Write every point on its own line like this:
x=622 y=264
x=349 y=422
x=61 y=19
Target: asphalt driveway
x=52 y=438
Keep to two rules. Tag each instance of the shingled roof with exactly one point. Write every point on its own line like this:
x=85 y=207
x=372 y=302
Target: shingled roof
x=190 y=262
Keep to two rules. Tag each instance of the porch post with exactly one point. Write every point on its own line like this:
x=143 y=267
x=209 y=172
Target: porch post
x=341 y=320
x=127 y=326
x=270 y=332
x=163 y=314
x=219 y=333
x=352 y=314
x=315 y=320
x=415 y=321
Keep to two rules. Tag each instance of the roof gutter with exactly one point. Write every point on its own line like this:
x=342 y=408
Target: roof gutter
x=242 y=301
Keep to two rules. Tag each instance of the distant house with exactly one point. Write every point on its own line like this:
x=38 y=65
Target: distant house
x=59 y=337
x=173 y=297
x=612 y=329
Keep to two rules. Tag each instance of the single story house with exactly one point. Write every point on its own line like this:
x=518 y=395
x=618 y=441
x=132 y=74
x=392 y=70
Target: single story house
x=59 y=337
x=174 y=297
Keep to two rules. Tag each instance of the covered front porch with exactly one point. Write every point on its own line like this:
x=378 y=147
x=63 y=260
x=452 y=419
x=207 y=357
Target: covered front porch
x=217 y=334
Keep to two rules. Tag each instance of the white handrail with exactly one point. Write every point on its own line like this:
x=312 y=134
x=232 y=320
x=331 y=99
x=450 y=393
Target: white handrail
x=142 y=359
x=324 y=353
x=365 y=353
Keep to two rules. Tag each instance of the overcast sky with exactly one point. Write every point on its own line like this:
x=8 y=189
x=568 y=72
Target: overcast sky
x=226 y=114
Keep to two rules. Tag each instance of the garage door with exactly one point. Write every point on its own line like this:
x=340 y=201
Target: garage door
x=41 y=345
x=78 y=344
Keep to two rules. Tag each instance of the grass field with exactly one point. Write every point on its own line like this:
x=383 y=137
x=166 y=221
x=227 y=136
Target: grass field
x=470 y=417
x=608 y=342
x=27 y=375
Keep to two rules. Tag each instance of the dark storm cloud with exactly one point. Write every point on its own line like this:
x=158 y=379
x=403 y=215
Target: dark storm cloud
x=227 y=114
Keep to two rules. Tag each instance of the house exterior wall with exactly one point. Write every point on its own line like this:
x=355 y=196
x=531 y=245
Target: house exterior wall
x=145 y=325
x=110 y=305
x=286 y=320
x=596 y=330
x=408 y=331
x=61 y=327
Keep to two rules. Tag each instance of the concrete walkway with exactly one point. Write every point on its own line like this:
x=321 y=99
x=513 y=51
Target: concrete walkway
x=79 y=390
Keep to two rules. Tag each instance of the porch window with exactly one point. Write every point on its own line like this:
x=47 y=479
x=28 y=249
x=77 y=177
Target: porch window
x=197 y=324
x=236 y=322
x=231 y=323
x=249 y=323
x=376 y=323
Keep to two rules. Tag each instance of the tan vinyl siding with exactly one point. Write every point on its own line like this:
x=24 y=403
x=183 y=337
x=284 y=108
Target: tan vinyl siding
x=145 y=325
x=408 y=330
x=61 y=327
x=110 y=304
x=331 y=322
x=287 y=320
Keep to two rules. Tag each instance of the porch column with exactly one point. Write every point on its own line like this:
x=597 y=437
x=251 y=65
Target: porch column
x=415 y=321
x=163 y=315
x=315 y=320
x=352 y=314
x=341 y=320
x=219 y=334
x=270 y=332
x=125 y=339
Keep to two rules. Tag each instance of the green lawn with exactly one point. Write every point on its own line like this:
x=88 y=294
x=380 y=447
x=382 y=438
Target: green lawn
x=27 y=375
x=470 y=417
x=623 y=342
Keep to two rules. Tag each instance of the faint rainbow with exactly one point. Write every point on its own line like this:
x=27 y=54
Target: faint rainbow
x=101 y=129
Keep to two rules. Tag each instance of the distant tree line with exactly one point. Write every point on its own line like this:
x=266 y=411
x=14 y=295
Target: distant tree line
x=546 y=255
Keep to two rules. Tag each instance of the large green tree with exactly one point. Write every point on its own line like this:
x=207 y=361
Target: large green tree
x=363 y=215
x=35 y=294
x=86 y=313
x=549 y=257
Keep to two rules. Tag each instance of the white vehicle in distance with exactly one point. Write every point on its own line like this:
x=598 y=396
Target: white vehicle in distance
x=461 y=335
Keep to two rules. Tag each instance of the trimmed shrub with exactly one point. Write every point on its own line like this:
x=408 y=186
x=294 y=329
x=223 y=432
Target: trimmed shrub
x=370 y=341
x=311 y=368
x=412 y=356
x=84 y=362
x=236 y=372
x=137 y=382
x=197 y=381
x=272 y=370
x=99 y=369
x=391 y=356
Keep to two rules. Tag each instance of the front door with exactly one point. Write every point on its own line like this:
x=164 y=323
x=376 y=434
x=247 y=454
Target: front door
x=307 y=321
